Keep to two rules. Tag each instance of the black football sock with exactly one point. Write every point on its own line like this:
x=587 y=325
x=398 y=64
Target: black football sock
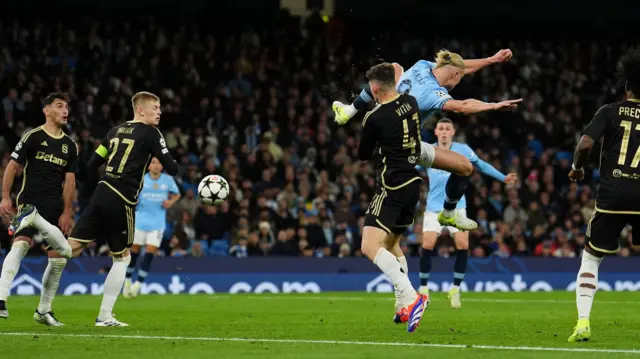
x=454 y=190
x=425 y=266
x=460 y=267
x=363 y=99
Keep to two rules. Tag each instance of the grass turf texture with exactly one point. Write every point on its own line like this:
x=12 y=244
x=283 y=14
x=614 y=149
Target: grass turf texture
x=327 y=325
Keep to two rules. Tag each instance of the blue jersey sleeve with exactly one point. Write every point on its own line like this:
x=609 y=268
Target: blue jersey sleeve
x=469 y=153
x=483 y=166
x=173 y=186
x=434 y=99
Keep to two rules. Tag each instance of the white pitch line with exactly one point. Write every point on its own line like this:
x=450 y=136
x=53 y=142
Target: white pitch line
x=478 y=300
x=333 y=342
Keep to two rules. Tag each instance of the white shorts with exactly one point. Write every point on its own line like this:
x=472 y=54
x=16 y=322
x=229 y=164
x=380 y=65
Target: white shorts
x=430 y=222
x=427 y=155
x=143 y=238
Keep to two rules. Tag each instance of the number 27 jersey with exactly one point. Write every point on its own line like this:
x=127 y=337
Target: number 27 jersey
x=128 y=149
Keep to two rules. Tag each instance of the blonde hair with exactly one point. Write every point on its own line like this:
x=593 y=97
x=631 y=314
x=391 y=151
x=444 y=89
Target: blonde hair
x=446 y=57
x=141 y=97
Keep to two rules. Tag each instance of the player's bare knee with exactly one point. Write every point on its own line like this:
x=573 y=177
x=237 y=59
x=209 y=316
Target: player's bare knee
x=461 y=241
x=148 y=248
x=77 y=247
x=462 y=246
x=53 y=254
x=372 y=240
x=466 y=168
x=23 y=239
x=136 y=248
x=587 y=285
x=391 y=240
x=123 y=257
x=429 y=240
x=123 y=254
x=587 y=275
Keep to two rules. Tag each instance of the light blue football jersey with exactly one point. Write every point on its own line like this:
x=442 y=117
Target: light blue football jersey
x=419 y=82
x=150 y=215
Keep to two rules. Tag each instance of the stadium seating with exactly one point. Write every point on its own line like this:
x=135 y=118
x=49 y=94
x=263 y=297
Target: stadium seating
x=257 y=111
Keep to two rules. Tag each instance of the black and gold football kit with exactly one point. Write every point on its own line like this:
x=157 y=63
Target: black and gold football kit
x=46 y=159
x=391 y=137
x=618 y=198
x=110 y=214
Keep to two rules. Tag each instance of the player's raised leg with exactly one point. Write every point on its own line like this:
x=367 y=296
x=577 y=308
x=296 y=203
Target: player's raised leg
x=457 y=184
x=343 y=113
x=460 y=266
x=28 y=216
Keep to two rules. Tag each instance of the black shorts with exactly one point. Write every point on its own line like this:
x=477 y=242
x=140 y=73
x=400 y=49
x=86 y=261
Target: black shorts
x=108 y=217
x=52 y=215
x=603 y=231
x=393 y=211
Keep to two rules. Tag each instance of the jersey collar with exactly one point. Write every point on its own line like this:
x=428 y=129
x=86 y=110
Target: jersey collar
x=57 y=137
x=434 y=77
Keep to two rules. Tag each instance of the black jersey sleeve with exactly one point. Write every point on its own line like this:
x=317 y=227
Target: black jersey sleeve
x=21 y=150
x=101 y=153
x=160 y=151
x=595 y=129
x=368 y=138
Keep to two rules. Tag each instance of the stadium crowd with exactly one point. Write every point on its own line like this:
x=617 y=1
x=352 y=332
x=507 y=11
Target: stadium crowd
x=255 y=109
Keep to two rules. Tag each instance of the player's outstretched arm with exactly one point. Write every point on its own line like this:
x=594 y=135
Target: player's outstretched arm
x=7 y=182
x=160 y=151
x=474 y=65
x=489 y=170
x=493 y=172
x=472 y=106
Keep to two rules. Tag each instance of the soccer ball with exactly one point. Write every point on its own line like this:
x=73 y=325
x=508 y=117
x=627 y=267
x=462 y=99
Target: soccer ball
x=213 y=190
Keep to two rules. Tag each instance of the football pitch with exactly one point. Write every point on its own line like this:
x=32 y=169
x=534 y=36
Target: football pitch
x=327 y=325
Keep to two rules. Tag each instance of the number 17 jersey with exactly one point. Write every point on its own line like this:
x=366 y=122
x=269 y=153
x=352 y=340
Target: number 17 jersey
x=619 y=124
x=128 y=149
x=391 y=132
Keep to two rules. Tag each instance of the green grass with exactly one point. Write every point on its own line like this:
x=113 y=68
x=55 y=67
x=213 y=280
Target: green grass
x=280 y=326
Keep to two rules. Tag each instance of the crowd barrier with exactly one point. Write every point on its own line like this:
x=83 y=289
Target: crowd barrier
x=313 y=275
